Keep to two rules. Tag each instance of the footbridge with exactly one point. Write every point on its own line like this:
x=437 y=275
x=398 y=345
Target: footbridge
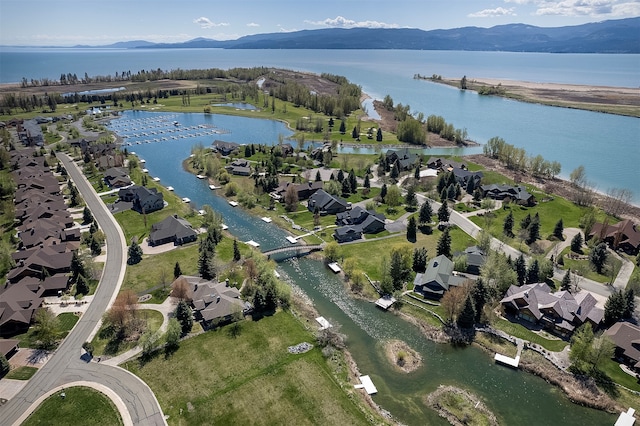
x=295 y=249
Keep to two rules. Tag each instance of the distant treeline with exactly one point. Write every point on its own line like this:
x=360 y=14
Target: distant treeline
x=517 y=158
x=239 y=82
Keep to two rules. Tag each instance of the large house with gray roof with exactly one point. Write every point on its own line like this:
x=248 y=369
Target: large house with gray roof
x=516 y=194
x=326 y=203
x=560 y=312
x=438 y=277
x=174 y=230
x=626 y=337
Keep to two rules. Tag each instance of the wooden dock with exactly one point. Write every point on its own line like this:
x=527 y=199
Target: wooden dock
x=367 y=385
x=508 y=361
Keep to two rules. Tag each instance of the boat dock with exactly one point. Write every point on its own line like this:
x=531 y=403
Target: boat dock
x=508 y=361
x=324 y=324
x=291 y=239
x=186 y=200
x=233 y=203
x=334 y=267
x=253 y=243
x=385 y=302
x=367 y=385
x=266 y=219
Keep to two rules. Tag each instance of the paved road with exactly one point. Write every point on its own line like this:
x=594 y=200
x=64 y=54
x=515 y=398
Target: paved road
x=65 y=365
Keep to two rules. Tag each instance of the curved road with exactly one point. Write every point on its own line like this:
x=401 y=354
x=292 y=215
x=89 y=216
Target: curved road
x=65 y=365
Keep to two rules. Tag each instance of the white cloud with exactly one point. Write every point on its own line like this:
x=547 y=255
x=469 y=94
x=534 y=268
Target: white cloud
x=341 y=22
x=286 y=30
x=593 y=8
x=492 y=13
x=205 y=22
x=252 y=24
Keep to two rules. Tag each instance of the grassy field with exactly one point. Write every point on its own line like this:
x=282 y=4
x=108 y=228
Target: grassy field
x=21 y=373
x=203 y=382
x=81 y=406
x=522 y=332
x=612 y=369
x=108 y=347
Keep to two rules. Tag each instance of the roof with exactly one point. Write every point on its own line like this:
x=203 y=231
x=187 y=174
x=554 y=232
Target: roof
x=172 y=226
x=323 y=200
x=626 y=336
x=8 y=345
x=210 y=299
x=438 y=276
x=626 y=230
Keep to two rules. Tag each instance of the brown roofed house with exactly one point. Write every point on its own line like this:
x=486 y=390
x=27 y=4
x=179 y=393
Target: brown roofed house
x=626 y=337
x=623 y=235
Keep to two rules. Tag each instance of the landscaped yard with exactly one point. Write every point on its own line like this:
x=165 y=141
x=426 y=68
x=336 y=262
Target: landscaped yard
x=81 y=406
x=522 y=332
x=203 y=382
x=21 y=373
x=106 y=346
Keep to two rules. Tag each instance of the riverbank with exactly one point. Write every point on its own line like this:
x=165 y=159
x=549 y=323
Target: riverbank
x=610 y=100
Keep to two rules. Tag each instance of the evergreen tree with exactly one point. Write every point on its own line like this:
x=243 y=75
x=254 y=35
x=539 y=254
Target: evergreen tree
x=346 y=188
x=443 y=213
x=411 y=229
x=184 y=316
x=598 y=257
x=177 y=271
x=379 y=135
x=416 y=173
x=471 y=185
x=353 y=182
x=395 y=171
x=614 y=308
x=480 y=295
x=566 y=281
x=526 y=221
x=82 y=285
x=354 y=133
x=398 y=269
x=410 y=199
x=77 y=266
x=558 y=229
x=451 y=192
x=383 y=191
x=534 y=230
x=630 y=303
x=318 y=176
x=576 y=243
x=443 y=196
x=477 y=195
x=236 y=251
x=134 y=254
x=93 y=228
x=340 y=176
x=419 y=259
x=507 y=227
x=533 y=273
x=95 y=246
x=467 y=316
x=425 y=212
x=367 y=183
x=520 y=267
x=87 y=217
x=444 y=244
x=442 y=183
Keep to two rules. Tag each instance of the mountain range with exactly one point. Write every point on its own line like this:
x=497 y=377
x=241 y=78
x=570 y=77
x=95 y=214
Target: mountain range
x=613 y=36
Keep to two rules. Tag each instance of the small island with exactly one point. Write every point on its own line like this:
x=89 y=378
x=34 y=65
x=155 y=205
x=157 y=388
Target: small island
x=402 y=356
x=460 y=407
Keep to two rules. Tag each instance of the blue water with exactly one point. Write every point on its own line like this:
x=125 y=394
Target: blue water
x=608 y=146
x=516 y=398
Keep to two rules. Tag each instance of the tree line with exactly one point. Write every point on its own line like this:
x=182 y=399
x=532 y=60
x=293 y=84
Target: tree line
x=517 y=159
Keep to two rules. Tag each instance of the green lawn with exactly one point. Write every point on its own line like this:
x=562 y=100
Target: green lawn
x=81 y=406
x=105 y=346
x=522 y=332
x=269 y=385
x=583 y=266
x=67 y=321
x=21 y=373
x=612 y=369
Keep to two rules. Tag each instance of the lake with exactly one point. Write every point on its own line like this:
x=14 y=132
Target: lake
x=515 y=397
x=608 y=146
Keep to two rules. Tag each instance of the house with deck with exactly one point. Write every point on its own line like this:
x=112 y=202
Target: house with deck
x=626 y=337
x=438 y=277
x=623 y=235
x=174 y=230
x=515 y=194
x=325 y=203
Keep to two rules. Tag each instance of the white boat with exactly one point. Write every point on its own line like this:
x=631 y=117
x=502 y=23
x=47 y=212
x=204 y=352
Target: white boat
x=266 y=219
x=186 y=200
x=233 y=203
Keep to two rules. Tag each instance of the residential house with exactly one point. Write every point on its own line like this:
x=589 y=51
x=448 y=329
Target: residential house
x=304 y=190
x=239 y=167
x=9 y=347
x=48 y=260
x=463 y=176
x=31 y=133
x=326 y=203
x=357 y=221
x=212 y=302
x=475 y=259
x=147 y=200
x=116 y=177
x=225 y=148
x=560 y=312
x=623 y=235
x=516 y=194
x=626 y=337
x=18 y=305
x=406 y=159
x=174 y=230
x=438 y=277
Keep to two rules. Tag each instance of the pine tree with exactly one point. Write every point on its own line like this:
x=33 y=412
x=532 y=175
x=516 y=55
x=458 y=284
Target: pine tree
x=425 y=212
x=318 y=177
x=236 y=251
x=379 y=135
x=419 y=259
x=444 y=244
x=443 y=213
x=467 y=316
x=598 y=257
x=367 y=183
x=340 y=176
x=184 y=316
x=87 y=217
x=566 y=281
x=134 y=253
x=576 y=243
x=558 y=229
x=471 y=185
x=480 y=296
x=410 y=199
x=353 y=182
x=383 y=191
x=525 y=222
x=395 y=171
x=177 y=271
x=507 y=228
x=82 y=285
x=451 y=192
x=533 y=273
x=534 y=230
x=520 y=267
x=411 y=229
x=416 y=173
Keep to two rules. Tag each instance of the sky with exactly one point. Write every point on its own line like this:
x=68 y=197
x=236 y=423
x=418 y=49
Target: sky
x=72 y=22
